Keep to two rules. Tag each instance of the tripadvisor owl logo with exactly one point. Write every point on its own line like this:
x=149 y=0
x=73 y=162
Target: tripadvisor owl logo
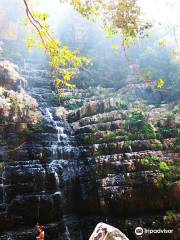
x=139 y=231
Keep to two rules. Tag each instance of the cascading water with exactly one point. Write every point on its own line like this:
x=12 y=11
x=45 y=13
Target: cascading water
x=60 y=130
x=41 y=176
x=61 y=138
x=67 y=234
x=3 y=187
x=61 y=165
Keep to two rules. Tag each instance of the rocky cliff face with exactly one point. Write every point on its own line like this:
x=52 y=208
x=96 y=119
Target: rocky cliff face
x=132 y=154
x=38 y=177
x=109 y=161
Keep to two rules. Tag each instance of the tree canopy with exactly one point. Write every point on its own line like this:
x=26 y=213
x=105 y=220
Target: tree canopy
x=121 y=16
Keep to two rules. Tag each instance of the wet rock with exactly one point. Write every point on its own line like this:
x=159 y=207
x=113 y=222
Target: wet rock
x=40 y=175
x=105 y=117
x=92 y=108
x=53 y=173
x=61 y=112
x=176 y=190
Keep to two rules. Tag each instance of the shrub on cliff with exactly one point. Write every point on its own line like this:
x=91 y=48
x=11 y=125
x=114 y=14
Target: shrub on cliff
x=170 y=170
x=138 y=121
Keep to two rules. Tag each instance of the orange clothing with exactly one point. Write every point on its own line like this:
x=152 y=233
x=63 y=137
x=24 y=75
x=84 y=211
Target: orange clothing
x=41 y=236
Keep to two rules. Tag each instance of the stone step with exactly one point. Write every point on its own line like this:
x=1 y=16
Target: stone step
x=46 y=153
x=93 y=108
x=33 y=163
x=132 y=146
x=131 y=179
x=132 y=156
x=3 y=207
x=102 y=118
x=127 y=166
x=44 y=207
x=108 y=126
x=93 y=135
x=28 y=233
x=62 y=143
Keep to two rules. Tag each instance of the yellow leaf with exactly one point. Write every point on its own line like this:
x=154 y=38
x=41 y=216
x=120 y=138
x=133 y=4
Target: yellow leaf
x=160 y=83
x=162 y=43
x=115 y=47
x=11 y=34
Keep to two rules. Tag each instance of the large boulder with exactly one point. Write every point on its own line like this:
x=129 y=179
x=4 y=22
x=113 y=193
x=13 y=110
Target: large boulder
x=9 y=76
x=107 y=232
x=18 y=107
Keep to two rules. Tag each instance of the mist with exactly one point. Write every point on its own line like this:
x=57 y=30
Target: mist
x=109 y=64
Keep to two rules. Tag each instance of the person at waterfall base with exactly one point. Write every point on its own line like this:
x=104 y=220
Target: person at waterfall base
x=40 y=230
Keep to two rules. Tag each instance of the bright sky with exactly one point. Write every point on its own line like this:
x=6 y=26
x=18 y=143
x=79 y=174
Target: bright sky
x=164 y=11
x=161 y=10
x=167 y=11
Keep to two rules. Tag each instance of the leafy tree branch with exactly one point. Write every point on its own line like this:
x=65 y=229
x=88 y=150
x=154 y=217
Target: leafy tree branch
x=64 y=62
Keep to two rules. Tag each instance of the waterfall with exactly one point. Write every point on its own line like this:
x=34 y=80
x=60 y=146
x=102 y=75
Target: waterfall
x=60 y=130
x=3 y=186
x=67 y=233
x=61 y=138
x=42 y=174
x=38 y=208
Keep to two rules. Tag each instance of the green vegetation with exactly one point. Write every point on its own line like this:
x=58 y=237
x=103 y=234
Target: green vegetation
x=127 y=146
x=169 y=119
x=165 y=132
x=137 y=127
x=105 y=92
x=170 y=170
x=37 y=128
x=116 y=22
x=171 y=214
x=177 y=225
x=99 y=152
x=137 y=123
x=136 y=120
x=66 y=63
x=69 y=101
x=108 y=137
x=121 y=104
x=74 y=105
x=171 y=218
x=87 y=139
x=156 y=144
x=105 y=170
x=150 y=163
x=177 y=145
x=148 y=131
x=168 y=128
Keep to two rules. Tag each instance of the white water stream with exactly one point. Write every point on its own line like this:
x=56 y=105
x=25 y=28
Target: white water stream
x=61 y=137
